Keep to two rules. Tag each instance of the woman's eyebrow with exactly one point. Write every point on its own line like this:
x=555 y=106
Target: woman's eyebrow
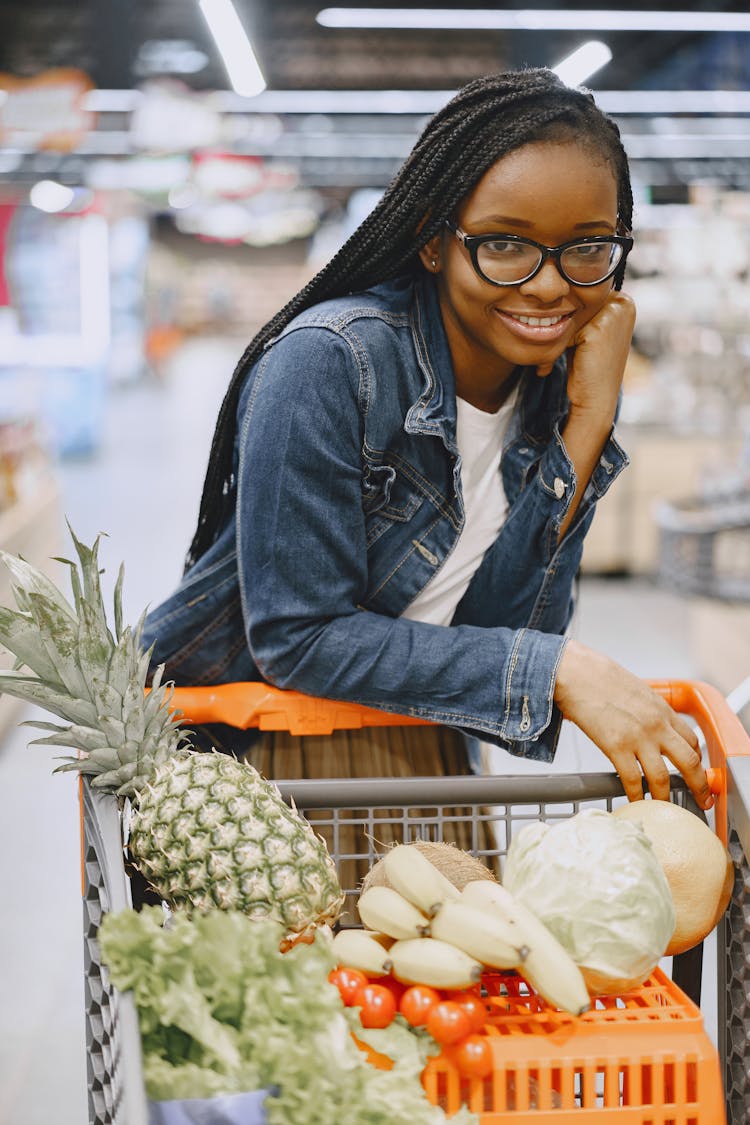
x=499 y=221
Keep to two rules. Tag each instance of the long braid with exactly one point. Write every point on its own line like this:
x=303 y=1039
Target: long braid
x=487 y=119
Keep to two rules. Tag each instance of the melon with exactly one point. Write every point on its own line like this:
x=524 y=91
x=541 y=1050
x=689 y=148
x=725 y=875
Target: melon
x=698 y=867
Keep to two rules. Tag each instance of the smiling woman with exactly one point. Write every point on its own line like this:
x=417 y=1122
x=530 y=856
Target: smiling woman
x=410 y=454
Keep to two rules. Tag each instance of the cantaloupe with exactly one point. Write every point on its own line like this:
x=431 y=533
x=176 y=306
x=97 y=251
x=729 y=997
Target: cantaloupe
x=698 y=867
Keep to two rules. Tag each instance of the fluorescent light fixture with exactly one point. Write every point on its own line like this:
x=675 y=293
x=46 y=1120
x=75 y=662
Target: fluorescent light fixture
x=235 y=47
x=583 y=62
x=395 y=102
x=541 y=19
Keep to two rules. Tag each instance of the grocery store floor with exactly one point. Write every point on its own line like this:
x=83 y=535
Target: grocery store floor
x=141 y=488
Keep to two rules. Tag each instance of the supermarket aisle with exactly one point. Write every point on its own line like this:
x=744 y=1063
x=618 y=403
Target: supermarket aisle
x=142 y=490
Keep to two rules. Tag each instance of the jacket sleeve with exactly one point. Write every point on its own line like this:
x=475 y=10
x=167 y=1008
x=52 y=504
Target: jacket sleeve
x=303 y=567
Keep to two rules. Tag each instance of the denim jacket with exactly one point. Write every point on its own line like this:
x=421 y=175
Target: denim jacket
x=347 y=502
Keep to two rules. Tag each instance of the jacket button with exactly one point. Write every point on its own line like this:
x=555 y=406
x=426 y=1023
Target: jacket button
x=559 y=487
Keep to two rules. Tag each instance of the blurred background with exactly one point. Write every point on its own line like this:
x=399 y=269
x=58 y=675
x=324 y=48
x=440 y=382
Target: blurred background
x=171 y=172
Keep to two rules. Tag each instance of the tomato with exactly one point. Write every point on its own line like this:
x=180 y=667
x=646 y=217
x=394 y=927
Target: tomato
x=474 y=1006
x=348 y=982
x=447 y=1022
x=473 y=1057
x=416 y=1002
x=378 y=1005
x=395 y=986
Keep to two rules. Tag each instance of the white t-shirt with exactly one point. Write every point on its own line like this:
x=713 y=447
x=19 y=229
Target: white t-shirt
x=480 y=439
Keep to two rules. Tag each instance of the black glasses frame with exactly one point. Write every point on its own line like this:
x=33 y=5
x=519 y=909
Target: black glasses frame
x=472 y=242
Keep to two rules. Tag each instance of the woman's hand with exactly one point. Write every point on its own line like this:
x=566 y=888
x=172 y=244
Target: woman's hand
x=596 y=362
x=630 y=723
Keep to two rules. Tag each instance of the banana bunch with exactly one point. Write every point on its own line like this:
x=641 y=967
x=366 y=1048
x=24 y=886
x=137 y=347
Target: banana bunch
x=422 y=930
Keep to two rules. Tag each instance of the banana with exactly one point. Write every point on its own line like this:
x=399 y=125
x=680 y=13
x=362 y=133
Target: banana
x=486 y=936
x=382 y=908
x=433 y=962
x=548 y=967
x=356 y=949
x=413 y=876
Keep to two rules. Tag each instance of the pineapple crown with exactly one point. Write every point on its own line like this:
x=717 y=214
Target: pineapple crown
x=70 y=663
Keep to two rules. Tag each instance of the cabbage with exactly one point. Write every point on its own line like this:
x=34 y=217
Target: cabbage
x=600 y=890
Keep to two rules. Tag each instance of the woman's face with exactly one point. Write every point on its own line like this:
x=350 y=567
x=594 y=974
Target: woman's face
x=551 y=192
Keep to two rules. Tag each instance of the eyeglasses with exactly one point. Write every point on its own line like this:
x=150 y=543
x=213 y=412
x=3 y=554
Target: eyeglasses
x=507 y=259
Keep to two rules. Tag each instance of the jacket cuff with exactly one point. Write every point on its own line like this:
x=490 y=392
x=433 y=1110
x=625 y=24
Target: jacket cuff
x=528 y=685
x=557 y=479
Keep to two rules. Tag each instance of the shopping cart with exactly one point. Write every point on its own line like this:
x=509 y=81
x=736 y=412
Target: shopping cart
x=644 y=1055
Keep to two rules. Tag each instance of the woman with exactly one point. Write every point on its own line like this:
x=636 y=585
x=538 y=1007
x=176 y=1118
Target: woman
x=410 y=454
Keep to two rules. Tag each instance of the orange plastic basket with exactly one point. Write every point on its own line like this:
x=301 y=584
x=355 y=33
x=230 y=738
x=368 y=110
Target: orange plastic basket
x=644 y=1055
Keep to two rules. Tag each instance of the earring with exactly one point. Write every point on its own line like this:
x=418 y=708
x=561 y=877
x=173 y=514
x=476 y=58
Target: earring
x=433 y=263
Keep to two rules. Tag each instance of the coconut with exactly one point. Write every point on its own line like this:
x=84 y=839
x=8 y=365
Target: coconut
x=698 y=867
x=458 y=866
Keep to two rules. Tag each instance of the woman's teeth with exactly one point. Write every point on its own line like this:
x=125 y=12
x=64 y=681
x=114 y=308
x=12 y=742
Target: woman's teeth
x=539 y=321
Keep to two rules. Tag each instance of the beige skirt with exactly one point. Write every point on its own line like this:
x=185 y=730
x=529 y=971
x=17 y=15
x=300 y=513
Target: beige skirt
x=408 y=751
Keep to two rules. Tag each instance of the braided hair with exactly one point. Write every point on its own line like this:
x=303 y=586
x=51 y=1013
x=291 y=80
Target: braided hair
x=487 y=119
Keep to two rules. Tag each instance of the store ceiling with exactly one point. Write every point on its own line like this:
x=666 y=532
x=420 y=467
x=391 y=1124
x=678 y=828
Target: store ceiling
x=123 y=43
x=119 y=42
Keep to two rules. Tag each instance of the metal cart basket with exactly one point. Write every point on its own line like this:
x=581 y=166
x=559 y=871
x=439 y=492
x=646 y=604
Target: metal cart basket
x=645 y=1055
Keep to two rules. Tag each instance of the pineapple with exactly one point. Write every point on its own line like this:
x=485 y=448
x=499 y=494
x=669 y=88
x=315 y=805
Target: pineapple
x=206 y=830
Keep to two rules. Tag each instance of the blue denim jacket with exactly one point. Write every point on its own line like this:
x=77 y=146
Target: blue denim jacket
x=348 y=499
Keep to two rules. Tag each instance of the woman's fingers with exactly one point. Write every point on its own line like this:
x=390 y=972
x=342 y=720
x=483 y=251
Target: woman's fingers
x=630 y=723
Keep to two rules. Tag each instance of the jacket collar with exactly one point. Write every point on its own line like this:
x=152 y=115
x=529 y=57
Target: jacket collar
x=543 y=401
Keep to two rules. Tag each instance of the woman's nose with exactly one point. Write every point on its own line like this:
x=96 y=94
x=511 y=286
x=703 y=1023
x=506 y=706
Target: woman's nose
x=548 y=285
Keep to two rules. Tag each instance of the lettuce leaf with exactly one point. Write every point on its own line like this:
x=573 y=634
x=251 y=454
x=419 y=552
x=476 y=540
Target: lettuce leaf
x=222 y=1010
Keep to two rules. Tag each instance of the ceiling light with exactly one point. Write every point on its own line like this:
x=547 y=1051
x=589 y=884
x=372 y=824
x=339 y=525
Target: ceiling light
x=542 y=19
x=235 y=47
x=582 y=63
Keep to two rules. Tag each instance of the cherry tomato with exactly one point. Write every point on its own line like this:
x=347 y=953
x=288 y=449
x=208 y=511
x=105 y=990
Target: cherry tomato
x=395 y=986
x=416 y=1002
x=474 y=1006
x=473 y=1056
x=348 y=982
x=447 y=1022
x=378 y=1005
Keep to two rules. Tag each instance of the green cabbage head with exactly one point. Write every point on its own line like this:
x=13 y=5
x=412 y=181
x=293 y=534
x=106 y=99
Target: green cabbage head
x=595 y=882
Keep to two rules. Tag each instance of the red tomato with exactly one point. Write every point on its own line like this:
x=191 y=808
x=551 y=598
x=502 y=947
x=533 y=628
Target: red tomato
x=447 y=1022
x=474 y=1006
x=395 y=986
x=473 y=1057
x=416 y=1002
x=378 y=1005
x=348 y=982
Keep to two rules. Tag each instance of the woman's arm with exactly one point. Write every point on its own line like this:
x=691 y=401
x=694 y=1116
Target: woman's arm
x=596 y=366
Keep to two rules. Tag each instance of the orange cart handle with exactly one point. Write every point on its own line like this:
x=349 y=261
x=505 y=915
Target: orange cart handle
x=257 y=704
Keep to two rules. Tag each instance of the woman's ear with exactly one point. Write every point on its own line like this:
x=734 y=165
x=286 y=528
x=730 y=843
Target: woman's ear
x=430 y=255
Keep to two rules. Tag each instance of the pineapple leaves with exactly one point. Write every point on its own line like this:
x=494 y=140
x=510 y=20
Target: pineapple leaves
x=46 y=695
x=69 y=663
x=20 y=635
x=118 y=601
x=26 y=579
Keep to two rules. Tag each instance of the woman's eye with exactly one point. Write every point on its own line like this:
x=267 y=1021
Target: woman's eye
x=502 y=249
x=591 y=250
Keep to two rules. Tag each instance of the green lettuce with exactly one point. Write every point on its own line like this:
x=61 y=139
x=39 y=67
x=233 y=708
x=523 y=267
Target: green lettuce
x=222 y=1010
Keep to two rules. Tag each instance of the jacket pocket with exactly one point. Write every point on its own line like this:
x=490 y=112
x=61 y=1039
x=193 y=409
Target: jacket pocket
x=388 y=498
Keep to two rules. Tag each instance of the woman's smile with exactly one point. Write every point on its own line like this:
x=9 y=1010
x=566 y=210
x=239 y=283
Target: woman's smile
x=542 y=328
